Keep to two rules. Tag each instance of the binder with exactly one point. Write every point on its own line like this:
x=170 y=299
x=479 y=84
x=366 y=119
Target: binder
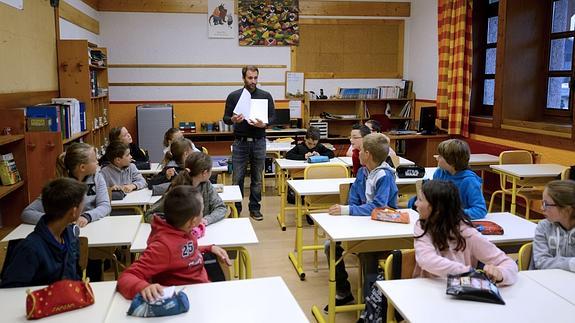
x=50 y=112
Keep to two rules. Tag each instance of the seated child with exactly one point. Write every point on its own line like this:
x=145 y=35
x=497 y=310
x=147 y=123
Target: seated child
x=140 y=157
x=78 y=162
x=172 y=256
x=51 y=252
x=180 y=149
x=374 y=187
x=310 y=147
x=453 y=166
x=197 y=174
x=554 y=242
x=171 y=135
x=356 y=137
x=447 y=243
x=120 y=174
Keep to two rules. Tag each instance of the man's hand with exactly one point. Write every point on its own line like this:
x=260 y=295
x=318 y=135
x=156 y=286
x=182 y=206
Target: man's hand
x=222 y=255
x=152 y=292
x=335 y=209
x=257 y=123
x=237 y=118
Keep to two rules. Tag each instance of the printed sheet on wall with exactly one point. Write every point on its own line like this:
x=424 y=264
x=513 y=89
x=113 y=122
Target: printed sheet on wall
x=268 y=22
x=220 y=19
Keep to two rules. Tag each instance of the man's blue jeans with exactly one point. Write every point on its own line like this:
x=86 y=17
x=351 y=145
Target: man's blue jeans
x=250 y=151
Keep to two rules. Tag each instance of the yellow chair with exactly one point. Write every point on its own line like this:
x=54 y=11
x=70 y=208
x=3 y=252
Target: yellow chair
x=344 y=193
x=205 y=150
x=524 y=190
x=394 y=160
x=525 y=253
x=407 y=263
x=83 y=260
x=566 y=173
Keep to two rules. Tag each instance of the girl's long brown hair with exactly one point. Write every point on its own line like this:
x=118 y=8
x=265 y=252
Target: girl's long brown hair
x=443 y=224
x=77 y=153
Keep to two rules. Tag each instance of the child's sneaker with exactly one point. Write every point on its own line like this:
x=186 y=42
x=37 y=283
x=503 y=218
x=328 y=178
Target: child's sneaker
x=339 y=301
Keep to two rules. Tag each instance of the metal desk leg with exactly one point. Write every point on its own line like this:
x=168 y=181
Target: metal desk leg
x=513 y=195
x=283 y=196
x=297 y=262
x=234 y=211
x=317 y=312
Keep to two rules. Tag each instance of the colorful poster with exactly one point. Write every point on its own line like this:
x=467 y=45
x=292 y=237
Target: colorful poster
x=220 y=19
x=268 y=22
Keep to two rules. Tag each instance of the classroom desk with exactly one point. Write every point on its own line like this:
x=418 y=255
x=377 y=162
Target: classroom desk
x=365 y=235
x=219 y=169
x=110 y=231
x=558 y=281
x=231 y=234
x=309 y=187
x=289 y=168
x=349 y=163
x=13 y=305
x=424 y=300
x=252 y=300
x=155 y=168
x=534 y=174
x=136 y=200
x=419 y=148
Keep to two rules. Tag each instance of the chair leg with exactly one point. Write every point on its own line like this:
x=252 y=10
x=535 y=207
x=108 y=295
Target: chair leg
x=492 y=200
x=502 y=201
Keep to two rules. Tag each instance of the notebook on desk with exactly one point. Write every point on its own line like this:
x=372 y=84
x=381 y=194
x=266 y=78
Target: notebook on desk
x=402 y=132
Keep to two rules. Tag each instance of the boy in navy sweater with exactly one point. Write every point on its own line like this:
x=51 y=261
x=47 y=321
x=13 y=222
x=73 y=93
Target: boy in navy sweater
x=51 y=252
x=310 y=147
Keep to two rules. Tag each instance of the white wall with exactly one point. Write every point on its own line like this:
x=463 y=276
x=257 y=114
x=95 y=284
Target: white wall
x=70 y=31
x=421 y=48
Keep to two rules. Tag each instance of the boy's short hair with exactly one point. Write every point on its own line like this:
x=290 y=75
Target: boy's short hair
x=61 y=195
x=181 y=204
x=116 y=149
x=377 y=145
x=312 y=133
x=455 y=152
x=363 y=129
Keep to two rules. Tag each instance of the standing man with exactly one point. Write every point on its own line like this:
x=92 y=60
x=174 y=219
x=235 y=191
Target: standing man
x=250 y=141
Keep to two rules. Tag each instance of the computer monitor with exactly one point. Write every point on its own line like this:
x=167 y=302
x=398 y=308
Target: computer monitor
x=427 y=117
x=282 y=117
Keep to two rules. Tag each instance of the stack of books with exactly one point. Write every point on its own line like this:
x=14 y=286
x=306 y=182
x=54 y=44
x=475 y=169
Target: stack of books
x=8 y=170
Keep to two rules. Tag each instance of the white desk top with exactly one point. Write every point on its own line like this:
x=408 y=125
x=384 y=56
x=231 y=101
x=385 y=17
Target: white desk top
x=134 y=198
x=231 y=193
x=349 y=163
x=13 y=305
x=301 y=164
x=558 y=281
x=250 y=300
x=348 y=228
x=324 y=186
x=483 y=159
x=424 y=300
x=279 y=146
x=155 y=168
x=530 y=170
x=224 y=233
x=106 y=232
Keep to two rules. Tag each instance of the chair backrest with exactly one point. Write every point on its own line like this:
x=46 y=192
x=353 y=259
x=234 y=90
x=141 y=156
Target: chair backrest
x=205 y=150
x=344 y=193
x=404 y=260
x=524 y=257
x=566 y=173
x=317 y=171
x=83 y=260
x=513 y=157
x=394 y=160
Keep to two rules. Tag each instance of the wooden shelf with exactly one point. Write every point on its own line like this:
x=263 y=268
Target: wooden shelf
x=96 y=67
x=330 y=120
x=336 y=100
x=399 y=118
x=11 y=138
x=5 y=190
x=76 y=136
x=99 y=97
x=100 y=127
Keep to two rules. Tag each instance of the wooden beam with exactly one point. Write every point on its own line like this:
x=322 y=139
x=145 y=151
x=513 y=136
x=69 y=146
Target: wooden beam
x=354 y=8
x=307 y=7
x=91 y=3
x=190 y=66
x=23 y=99
x=192 y=84
x=78 y=18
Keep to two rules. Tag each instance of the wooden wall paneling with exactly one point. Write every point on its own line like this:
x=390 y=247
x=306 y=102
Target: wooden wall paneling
x=78 y=18
x=190 y=66
x=92 y=3
x=23 y=99
x=42 y=149
x=521 y=137
x=238 y=84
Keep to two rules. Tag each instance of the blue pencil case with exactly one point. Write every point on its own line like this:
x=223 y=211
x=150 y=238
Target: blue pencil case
x=317 y=159
x=176 y=304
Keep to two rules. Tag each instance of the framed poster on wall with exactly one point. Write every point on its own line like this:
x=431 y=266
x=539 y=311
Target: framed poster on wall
x=294 y=85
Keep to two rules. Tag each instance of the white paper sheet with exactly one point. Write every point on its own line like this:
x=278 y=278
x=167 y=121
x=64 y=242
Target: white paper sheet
x=259 y=110
x=295 y=109
x=244 y=103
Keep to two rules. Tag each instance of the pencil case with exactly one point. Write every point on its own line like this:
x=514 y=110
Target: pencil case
x=317 y=159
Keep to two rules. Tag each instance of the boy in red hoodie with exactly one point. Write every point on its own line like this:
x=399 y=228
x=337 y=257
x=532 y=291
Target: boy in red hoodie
x=172 y=256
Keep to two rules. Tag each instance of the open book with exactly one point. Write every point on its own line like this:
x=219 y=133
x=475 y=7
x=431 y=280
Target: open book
x=252 y=109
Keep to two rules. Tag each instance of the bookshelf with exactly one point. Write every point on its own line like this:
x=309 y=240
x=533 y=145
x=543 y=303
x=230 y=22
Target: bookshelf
x=13 y=198
x=359 y=111
x=83 y=74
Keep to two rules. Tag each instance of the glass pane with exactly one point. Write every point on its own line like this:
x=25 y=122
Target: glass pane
x=493 y=1
x=558 y=93
x=490 y=55
x=492 y=30
x=563 y=16
x=561 y=53
x=488 y=90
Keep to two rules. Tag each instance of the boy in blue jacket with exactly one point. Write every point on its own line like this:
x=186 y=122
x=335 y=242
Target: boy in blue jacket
x=374 y=187
x=453 y=165
x=51 y=252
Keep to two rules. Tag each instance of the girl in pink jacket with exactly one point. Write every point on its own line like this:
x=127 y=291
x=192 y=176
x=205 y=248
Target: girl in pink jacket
x=446 y=242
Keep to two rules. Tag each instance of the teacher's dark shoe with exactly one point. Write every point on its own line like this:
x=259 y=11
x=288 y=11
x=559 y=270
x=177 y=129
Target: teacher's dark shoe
x=256 y=215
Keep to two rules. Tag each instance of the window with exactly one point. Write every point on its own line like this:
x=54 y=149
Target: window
x=560 y=74
x=485 y=52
